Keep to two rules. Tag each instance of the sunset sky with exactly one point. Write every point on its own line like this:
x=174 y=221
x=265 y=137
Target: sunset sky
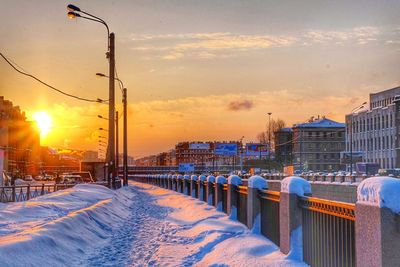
x=198 y=70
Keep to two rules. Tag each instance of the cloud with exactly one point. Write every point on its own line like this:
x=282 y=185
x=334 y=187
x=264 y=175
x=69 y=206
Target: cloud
x=206 y=45
x=240 y=105
x=360 y=35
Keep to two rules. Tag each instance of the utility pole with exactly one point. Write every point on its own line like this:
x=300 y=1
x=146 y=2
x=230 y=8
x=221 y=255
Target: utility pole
x=269 y=141
x=351 y=143
x=111 y=113
x=125 y=157
x=116 y=145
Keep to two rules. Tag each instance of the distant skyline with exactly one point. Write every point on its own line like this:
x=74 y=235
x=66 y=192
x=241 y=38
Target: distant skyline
x=198 y=70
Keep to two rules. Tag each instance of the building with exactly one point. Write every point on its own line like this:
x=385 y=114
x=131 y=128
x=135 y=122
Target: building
x=91 y=156
x=198 y=153
x=19 y=141
x=375 y=131
x=317 y=145
x=284 y=146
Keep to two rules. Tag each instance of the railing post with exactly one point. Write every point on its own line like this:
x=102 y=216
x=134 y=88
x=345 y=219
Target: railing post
x=169 y=180
x=200 y=190
x=255 y=183
x=378 y=222
x=180 y=185
x=42 y=192
x=290 y=215
x=185 y=183
x=193 y=180
x=232 y=198
x=13 y=193
x=28 y=192
x=219 y=187
x=209 y=188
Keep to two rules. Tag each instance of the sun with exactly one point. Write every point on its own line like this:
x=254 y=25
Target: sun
x=43 y=121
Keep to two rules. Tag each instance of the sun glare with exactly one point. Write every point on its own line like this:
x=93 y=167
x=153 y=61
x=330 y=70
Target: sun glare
x=43 y=121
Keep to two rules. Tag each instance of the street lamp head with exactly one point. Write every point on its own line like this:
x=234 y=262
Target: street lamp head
x=100 y=75
x=73 y=15
x=71 y=7
x=100 y=116
x=269 y=113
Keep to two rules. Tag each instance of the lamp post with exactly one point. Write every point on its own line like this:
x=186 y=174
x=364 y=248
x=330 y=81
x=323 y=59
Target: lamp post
x=269 y=141
x=76 y=12
x=354 y=110
x=125 y=127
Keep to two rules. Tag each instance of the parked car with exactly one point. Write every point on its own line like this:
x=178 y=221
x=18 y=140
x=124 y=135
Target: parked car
x=71 y=178
x=28 y=178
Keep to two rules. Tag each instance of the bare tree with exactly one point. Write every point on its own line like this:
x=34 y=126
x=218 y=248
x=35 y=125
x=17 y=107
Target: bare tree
x=276 y=125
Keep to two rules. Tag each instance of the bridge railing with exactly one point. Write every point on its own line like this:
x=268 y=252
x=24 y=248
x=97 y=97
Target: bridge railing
x=324 y=230
x=18 y=193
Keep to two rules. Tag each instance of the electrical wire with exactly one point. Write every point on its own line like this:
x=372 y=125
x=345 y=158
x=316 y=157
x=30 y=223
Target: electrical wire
x=44 y=83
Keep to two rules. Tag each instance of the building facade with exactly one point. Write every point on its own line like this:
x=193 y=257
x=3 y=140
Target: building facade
x=284 y=146
x=375 y=131
x=19 y=141
x=317 y=145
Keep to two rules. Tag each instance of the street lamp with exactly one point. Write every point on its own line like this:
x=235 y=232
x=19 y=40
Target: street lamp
x=76 y=12
x=269 y=141
x=102 y=129
x=351 y=134
x=101 y=117
x=125 y=128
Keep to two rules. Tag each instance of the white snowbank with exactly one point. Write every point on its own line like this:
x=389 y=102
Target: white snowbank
x=202 y=177
x=193 y=177
x=235 y=180
x=258 y=182
x=139 y=225
x=380 y=191
x=220 y=179
x=186 y=177
x=210 y=179
x=295 y=185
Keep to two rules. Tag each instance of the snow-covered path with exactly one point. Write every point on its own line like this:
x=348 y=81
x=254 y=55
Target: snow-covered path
x=141 y=225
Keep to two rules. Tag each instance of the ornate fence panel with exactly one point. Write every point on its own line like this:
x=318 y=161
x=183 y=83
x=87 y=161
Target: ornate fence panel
x=20 y=193
x=242 y=204
x=328 y=232
x=270 y=215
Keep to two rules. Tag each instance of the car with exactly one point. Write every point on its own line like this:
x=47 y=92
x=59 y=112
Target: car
x=28 y=178
x=70 y=178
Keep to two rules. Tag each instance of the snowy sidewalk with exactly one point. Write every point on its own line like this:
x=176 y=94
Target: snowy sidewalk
x=141 y=225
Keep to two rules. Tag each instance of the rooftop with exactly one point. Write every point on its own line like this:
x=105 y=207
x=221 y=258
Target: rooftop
x=320 y=123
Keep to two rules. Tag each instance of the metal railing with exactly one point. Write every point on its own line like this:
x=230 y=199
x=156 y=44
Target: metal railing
x=242 y=204
x=18 y=193
x=225 y=198
x=328 y=232
x=270 y=215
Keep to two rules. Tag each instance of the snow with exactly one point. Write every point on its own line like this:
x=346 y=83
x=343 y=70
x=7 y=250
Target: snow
x=296 y=244
x=295 y=185
x=258 y=182
x=220 y=179
x=138 y=225
x=180 y=177
x=235 y=180
x=186 y=177
x=210 y=179
x=202 y=178
x=380 y=191
x=193 y=177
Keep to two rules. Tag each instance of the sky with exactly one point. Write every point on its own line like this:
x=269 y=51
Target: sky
x=197 y=70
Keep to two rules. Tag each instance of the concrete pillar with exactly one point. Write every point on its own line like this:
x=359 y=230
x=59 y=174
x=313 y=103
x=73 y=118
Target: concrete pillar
x=330 y=177
x=290 y=216
x=193 y=180
x=219 y=182
x=168 y=181
x=201 y=189
x=255 y=183
x=174 y=183
x=179 y=179
x=209 y=189
x=232 y=199
x=378 y=222
x=186 y=185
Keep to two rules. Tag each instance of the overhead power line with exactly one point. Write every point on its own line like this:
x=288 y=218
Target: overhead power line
x=44 y=83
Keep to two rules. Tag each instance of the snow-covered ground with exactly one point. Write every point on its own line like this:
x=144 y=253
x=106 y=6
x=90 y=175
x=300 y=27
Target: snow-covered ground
x=140 y=225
